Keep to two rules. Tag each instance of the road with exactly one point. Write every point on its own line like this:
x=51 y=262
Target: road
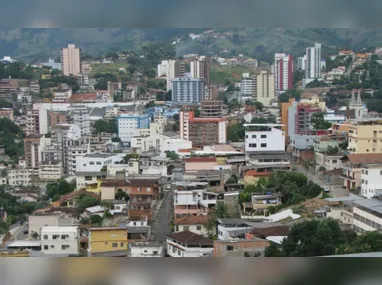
x=161 y=225
x=335 y=190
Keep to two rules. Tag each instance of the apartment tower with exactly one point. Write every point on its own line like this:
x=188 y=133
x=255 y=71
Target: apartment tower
x=70 y=60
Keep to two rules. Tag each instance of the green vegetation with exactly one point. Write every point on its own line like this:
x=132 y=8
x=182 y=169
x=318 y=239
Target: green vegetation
x=56 y=189
x=85 y=201
x=316 y=83
x=171 y=154
x=220 y=74
x=318 y=122
x=11 y=138
x=293 y=187
x=106 y=126
x=312 y=238
x=54 y=81
x=110 y=68
x=121 y=195
x=236 y=132
x=232 y=180
x=293 y=93
x=221 y=211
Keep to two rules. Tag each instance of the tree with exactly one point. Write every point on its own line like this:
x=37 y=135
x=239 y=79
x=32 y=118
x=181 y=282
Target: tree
x=149 y=105
x=210 y=225
x=86 y=202
x=316 y=83
x=112 y=54
x=122 y=195
x=130 y=156
x=332 y=150
x=106 y=126
x=221 y=211
x=171 y=154
x=232 y=180
x=35 y=235
x=318 y=122
x=96 y=220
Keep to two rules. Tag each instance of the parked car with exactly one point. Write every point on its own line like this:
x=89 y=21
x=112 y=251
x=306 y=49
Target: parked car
x=326 y=189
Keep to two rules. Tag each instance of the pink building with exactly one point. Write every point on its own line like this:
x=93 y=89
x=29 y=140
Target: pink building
x=200 y=163
x=283 y=71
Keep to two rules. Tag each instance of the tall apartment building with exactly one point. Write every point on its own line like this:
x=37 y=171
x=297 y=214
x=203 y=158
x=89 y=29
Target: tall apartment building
x=32 y=126
x=201 y=69
x=188 y=89
x=58 y=117
x=248 y=85
x=71 y=60
x=31 y=151
x=128 y=124
x=313 y=62
x=202 y=131
x=301 y=62
x=213 y=109
x=365 y=136
x=170 y=68
x=265 y=87
x=283 y=70
x=80 y=115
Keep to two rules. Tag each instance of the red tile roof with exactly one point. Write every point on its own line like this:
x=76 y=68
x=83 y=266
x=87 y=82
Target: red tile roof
x=271 y=231
x=365 y=158
x=188 y=238
x=192 y=220
x=79 y=97
x=255 y=173
x=200 y=159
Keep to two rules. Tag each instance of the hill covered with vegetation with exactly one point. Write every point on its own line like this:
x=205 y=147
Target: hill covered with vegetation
x=39 y=44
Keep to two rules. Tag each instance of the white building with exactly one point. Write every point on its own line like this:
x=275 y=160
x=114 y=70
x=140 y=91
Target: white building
x=195 y=224
x=313 y=62
x=50 y=171
x=265 y=89
x=60 y=240
x=80 y=116
x=371 y=180
x=301 y=62
x=103 y=95
x=128 y=124
x=147 y=249
x=189 y=244
x=248 y=85
x=188 y=89
x=170 y=68
x=62 y=95
x=160 y=143
x=20 y=176
x=93 y=162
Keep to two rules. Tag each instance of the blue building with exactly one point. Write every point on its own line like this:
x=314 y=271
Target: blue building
x=127 y=124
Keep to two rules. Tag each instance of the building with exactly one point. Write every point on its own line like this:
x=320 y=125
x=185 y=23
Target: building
x=313 y=62
x=50 y=171
x=58 y=118
x=202 y=131
x=301 y=63
x=20 y=176
x=7 y=113
x=265 y=147
x=356 y=104
x=108 y=240
x=248 y=86
x=371 y=180
x=71 y=60
x=192 y=198
x=195 y=224
x=171 y=69
x=265 y=87
x=62 y=95
x=128 y=124
x=187 y=89
x=60 y=240
x=284 y=115
x=213 y=109
x=32 y=151
x=94 y=162
x=147 y=249
x=201 y=69
x=80 y=115
x=299 y=118
x=283 y=72
x=189 y=244
x=240 y=248
x=32 y=126
x=365 y=136
x=52 y=64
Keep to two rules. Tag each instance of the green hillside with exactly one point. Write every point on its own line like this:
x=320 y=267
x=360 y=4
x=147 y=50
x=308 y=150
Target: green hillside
x=39 y=44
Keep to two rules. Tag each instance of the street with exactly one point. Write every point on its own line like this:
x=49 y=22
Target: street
x=161 y=225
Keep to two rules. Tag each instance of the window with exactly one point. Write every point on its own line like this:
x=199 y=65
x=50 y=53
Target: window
x=229 y=248
x=55 y=236
x=380 y=172
x=334 y=161
x=148 y=189
x=186 y=228
x=122 y=244
x=52 y=246
x=155 y=252
x=114 y=244
x=366 y=172
x=263 y=145
x=64 y=236
x=177 y=228
x=253 y=136
x=139 y=189
x=64 y=246
x=99 y=163
x=91 y=163
x=366 y=182
x=263 y=136
x=362 y=181
x=198 y=228
x=46 y=247
x=363 y=171
x=252 y=145
x=45 y=236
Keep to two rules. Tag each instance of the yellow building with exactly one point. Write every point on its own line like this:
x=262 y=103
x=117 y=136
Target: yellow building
x=365 y=136
x=313 y=100
x=284 y=114
x=110 y=239
x=94 y=187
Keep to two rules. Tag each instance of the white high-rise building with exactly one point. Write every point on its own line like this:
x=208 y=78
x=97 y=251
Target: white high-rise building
x=265 y=87
x=313 y=62
x=188 y=89
x=248 y=85
x=71 y=60
x=283 y=70
x=301 y=62
x=170 y=68
x=201 y=69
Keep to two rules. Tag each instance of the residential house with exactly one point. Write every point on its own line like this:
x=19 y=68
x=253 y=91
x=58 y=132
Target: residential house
x=195 y=224
x=60 y=240
x=50 y=218
x=108 y=241
x=371 y=180
x=147 y=249
x=189 y=244
x=240 y=248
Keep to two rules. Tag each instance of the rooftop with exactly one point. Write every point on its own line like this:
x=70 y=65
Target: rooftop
x=192 y=220
x=189 y=238
x=365 y=158
x=80 y=97
x=58 y=229
x=99 y=155
x=146 y=244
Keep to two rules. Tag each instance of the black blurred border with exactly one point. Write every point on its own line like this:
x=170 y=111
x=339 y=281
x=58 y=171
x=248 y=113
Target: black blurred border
x=189 y=14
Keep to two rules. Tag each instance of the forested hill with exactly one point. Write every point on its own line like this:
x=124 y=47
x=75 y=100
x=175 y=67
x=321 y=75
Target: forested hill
x=39 y=44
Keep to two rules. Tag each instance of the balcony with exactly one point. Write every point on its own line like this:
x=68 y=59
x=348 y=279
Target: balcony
x=347 y=177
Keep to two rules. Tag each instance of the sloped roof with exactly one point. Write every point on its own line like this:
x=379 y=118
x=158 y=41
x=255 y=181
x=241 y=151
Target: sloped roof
x=365 y=158
x=192 y=220
x=188 y=238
